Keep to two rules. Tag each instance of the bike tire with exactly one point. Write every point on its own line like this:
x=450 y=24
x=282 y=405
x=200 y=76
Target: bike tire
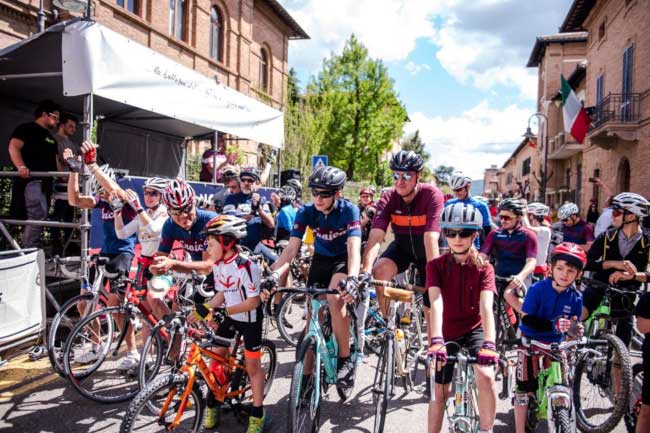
x=147 y=371
x=634 y=407
x=562 y=419
x=62 y=325
x=620 y=402
x=159 y=388
x=288 y=304
x=304 y=415
x=268 y=353
x=382 y=390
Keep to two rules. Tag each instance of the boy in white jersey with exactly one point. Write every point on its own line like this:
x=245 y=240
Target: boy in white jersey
x=537 y=213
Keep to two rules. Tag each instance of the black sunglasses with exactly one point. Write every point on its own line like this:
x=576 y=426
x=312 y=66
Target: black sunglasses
x=247 y=180
x=463 y=233
x=322 y=194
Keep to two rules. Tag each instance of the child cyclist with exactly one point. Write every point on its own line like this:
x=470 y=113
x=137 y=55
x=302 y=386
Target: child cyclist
x=461 y=289
x=550 y=310
x=237 y=298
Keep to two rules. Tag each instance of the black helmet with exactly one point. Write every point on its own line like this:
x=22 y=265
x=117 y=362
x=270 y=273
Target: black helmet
x=251 y=172
x=406 y=160
x=514 y=205
x=328 y=178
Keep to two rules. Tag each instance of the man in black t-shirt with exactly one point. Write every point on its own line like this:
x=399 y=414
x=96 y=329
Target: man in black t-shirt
x=32 y=148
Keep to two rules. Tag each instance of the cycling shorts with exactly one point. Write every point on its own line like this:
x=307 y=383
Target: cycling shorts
x=143 y=274
x=528 y=370
x=323 y=269
x=403 y=260
x=472 y=341
x=250 y=331
x=118 y=263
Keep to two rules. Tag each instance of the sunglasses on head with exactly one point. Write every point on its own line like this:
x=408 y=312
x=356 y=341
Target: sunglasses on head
x=322 y=193
x=463 y=233
x=505 y=217
x=405 y=176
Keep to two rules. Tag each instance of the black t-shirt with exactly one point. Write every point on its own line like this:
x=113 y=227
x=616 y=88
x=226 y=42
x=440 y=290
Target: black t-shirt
x=643 y=310
x=39 y=150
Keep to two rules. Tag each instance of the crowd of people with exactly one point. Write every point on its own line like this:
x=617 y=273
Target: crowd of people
x=458 y=246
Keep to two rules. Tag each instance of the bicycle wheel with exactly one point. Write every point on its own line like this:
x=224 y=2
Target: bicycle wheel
x=562 y=419
x=64 y=322
x=599 y=407
x=634 y=407
x=383 y=384
x=292 y=317
x=166 y=391
x=103 y=379
x=269 y=360
x=150 y=365
x=304 y=396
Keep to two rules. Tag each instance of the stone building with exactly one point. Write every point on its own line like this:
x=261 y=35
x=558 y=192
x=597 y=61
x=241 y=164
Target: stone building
x=241 y=43
x=516 y=177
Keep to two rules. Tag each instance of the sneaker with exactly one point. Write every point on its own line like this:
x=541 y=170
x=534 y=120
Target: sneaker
x=256 y=425
x=130 y=361
x=89 y=356
x=211 y=417
x=345 y=375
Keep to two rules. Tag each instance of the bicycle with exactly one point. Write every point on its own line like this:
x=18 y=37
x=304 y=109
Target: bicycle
x=180 y=396
x=291 y=315
x=634 y=408
x=505 y=318
x=318 y=352
x=594 y=368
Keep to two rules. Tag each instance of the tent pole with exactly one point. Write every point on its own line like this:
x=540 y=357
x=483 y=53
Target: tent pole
x=41 y=17
x=214 y=156
x=85 y=226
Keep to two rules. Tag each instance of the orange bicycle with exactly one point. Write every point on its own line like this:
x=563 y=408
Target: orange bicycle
x=177 y=401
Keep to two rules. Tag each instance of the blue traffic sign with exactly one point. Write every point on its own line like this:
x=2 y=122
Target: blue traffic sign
x=318 y=161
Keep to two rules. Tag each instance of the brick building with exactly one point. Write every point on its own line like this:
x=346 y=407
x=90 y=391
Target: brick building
x=516 y=176
x=242 y=43
x=491 y=182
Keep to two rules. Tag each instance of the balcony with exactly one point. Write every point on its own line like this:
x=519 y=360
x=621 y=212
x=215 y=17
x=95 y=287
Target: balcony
x=562 y=146
x=615 y=118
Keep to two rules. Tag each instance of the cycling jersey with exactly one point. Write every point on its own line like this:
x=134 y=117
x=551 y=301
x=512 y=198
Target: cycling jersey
x=510 y=249
x=331 y=231
x=149 y=235
x=482 y=208
x=255 y=228
x=238 y=279
x=543 y=242
x=284 y=222
x=193 y=240
x=410 y=221
x=112 y=243
x=580 y=233
x=544 y=302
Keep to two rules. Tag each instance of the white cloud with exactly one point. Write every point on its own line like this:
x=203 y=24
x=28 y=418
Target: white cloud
x=474 y=140
x=414 y=68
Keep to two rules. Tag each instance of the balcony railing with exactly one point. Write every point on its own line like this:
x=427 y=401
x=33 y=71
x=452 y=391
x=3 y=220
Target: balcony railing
x=616 y=108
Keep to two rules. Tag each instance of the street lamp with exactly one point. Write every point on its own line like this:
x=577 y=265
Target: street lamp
x=75 y=6
x=529 y=135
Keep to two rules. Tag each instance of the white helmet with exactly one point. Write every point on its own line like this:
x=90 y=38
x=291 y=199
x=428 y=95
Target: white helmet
x=567 y=210
x=97 y=187
x=461 y=216
x=538 y=209
x=631 y=202
x=156 y=183
x=459 y=180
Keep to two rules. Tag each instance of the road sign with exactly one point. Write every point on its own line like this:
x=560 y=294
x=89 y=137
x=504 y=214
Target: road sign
x=318 y=161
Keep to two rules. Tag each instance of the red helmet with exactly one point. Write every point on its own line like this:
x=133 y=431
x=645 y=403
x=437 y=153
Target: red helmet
x=366 y=191
x=571 y=253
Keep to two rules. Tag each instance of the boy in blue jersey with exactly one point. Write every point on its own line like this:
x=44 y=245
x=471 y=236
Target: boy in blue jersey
x=550 y=311
x=337 y=254
x=461 y=184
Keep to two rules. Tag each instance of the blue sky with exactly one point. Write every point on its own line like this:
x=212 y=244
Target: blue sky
x=458 y=65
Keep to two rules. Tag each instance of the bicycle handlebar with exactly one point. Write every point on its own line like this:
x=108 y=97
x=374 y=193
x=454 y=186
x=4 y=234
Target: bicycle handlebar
x=411 y=287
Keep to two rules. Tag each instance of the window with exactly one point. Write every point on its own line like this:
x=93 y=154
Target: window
x=626 y=85
x=567 y=178
x=264 y=70
x=599 y=88
x=525 y=167
x=601 y=31
x=509 y=178
x=177 y=11
x=216 y=34
x=129 y=5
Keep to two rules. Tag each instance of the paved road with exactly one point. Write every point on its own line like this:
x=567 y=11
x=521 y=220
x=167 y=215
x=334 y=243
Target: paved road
x=34 y=400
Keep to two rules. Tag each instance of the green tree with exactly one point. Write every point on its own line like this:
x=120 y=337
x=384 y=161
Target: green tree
x=357 y=112
x=442 y=173
x=414 y=142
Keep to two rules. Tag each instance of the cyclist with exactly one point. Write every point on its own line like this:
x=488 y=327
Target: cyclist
x=514 y=249
x=337 y=243
x=237 y=300
x=460 y=185
x=575 y=229
x=550 y=311
x=287 y=213
x=105 y=196
x=367 y=209
x=462 y=290
x=536 y=222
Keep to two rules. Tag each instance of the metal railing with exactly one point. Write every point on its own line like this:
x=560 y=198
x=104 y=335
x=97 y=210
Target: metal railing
x=616 y=108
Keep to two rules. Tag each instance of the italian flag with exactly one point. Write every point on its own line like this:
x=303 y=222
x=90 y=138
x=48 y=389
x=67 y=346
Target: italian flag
x=576 y=120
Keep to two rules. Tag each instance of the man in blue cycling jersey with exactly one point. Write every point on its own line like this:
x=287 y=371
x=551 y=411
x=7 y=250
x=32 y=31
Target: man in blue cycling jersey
x=461 y=185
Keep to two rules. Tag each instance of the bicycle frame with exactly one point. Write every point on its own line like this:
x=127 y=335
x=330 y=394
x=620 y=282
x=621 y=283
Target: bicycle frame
x=465 y=417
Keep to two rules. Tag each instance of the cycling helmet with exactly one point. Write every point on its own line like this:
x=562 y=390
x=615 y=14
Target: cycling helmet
x=250 y=172
x=156 y=183
x=229 y=209
x=567 y=210
x=406 y=160
x=287 y=194
x=226 y=225
x=328 y=177
x=230 y=172
x=459 y=180
x=178 y=194
x=538 y=209
x=571 y=253
x=631 y=202
x=514 y=205
x=296 y=185
x=461 y=216
x=366 y=191
x=97 y=187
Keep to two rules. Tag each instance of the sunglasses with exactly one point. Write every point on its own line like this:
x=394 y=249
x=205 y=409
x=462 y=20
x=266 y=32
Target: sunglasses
x=617 y=212
x=406 y=177
x=247 y=180
x=506 y=217
x=180 y=212
x=322 y=194
x=152 y=193
x=464 y=233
